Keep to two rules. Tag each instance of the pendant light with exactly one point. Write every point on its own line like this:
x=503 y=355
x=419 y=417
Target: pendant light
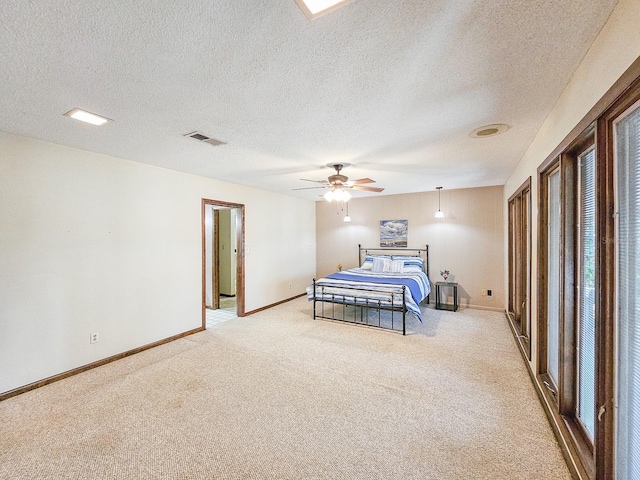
x=439 y=213
x=347 y=218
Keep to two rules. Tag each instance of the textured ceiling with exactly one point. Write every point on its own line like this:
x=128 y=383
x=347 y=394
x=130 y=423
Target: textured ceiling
x=392 y=87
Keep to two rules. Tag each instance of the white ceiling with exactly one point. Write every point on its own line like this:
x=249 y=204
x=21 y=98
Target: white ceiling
x=392 y=87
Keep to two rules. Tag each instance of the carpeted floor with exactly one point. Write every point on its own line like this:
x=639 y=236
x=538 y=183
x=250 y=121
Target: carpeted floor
x=277 y=395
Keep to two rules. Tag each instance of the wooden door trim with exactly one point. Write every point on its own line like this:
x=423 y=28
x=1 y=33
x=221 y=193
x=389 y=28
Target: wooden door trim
x=240 y=257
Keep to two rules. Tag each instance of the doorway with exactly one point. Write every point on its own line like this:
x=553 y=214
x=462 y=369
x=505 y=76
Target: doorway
x=222 y=261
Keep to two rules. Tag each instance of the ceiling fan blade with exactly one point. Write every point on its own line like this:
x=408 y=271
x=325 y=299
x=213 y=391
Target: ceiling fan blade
x=360 y=181
x=306 y=188
x=367 y=189
x=315 y=181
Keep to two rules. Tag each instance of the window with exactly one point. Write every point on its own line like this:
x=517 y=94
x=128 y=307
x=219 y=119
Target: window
x=588 y=286
x=553 y=278
x=627 y=204
x=567 y=315
x=586 y=318
x=520 y=265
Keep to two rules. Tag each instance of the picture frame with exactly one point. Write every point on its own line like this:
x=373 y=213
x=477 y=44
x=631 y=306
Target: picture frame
x=394 y=233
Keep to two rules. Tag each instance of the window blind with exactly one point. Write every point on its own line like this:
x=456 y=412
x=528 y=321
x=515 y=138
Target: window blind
x=553 y=275
x=627 y=171
x=586 y=323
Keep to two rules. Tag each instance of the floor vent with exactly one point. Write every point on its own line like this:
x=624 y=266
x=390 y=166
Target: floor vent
x=203 y=138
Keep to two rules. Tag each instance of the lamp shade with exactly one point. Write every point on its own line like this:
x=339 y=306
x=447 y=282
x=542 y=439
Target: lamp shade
x=338 y=194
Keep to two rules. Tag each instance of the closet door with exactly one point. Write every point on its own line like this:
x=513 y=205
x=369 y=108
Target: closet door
x=627 y=311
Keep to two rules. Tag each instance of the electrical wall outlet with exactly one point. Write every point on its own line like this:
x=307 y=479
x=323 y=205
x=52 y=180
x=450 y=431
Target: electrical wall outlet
x=290 y=285
x=94 y=337
x=484 y=293
x=488 y=293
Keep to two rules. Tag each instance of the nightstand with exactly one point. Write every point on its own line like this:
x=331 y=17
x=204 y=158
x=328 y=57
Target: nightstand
x=454 y=292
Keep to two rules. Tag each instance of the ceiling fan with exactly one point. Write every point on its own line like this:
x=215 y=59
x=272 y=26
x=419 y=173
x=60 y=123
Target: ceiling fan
x=339 y=184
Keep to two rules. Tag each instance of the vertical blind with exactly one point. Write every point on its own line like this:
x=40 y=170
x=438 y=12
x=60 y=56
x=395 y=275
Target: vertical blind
x=627 y=161
x=526 y=321
x=553 y=275
x=586 y=304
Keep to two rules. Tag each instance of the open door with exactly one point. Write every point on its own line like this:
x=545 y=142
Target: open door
x=211 y=254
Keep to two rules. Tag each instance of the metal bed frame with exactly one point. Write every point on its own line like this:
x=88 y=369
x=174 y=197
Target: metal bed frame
x=351 y=308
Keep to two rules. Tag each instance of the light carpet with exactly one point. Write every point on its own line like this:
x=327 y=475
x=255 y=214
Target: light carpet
x=277 y=395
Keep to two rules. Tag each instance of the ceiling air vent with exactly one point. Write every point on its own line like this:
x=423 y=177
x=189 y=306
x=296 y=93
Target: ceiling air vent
x=203 y=138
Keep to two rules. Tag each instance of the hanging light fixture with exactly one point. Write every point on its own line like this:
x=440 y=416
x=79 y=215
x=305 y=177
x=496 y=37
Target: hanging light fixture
x=338 y=194
x=439 y=213
x=347 y=218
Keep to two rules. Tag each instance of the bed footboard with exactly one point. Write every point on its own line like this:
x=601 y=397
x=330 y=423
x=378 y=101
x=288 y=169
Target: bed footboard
x=362 y=306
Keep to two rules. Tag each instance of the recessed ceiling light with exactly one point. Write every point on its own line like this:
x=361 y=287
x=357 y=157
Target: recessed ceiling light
x=489 y=130
x=314 y=8
x=87 y=117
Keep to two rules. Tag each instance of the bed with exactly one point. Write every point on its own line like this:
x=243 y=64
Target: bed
x=388 y=285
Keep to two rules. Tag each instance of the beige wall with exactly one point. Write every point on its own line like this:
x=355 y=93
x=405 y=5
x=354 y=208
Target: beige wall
x=92 y=243
x=468 y=241
x=227 y=256
x=613 y=51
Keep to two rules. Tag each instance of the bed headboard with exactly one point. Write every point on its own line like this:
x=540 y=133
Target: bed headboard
x=412 y=252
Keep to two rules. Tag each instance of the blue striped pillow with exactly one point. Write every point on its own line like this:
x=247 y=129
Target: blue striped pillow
x=368 y=261
x=411 y=264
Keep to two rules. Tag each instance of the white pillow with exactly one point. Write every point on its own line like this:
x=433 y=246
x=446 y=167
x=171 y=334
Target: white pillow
x=397 y=266
x=381 y=265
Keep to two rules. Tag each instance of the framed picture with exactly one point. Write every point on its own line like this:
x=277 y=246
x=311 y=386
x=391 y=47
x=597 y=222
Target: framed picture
x=393 y=233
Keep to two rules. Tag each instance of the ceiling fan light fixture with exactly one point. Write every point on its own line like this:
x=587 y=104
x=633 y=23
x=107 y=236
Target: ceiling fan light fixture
x=339 y=185
x=338 y=194
x=344 y=196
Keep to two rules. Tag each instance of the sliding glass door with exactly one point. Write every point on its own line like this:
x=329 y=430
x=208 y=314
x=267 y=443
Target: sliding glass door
x=588 y=317
x=627 y=185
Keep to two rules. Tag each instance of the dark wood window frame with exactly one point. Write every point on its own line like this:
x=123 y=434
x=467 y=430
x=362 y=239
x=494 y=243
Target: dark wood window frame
x=518 y=309
x=585 y=461
x=607 y=371
x=561 y=398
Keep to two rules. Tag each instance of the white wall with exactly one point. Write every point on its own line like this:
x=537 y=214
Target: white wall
x=467 y=242
x=92 y=243
x=613 y=51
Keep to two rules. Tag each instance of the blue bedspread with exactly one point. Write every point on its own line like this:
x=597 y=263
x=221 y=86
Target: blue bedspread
x=412 y=283
x=359 y=286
